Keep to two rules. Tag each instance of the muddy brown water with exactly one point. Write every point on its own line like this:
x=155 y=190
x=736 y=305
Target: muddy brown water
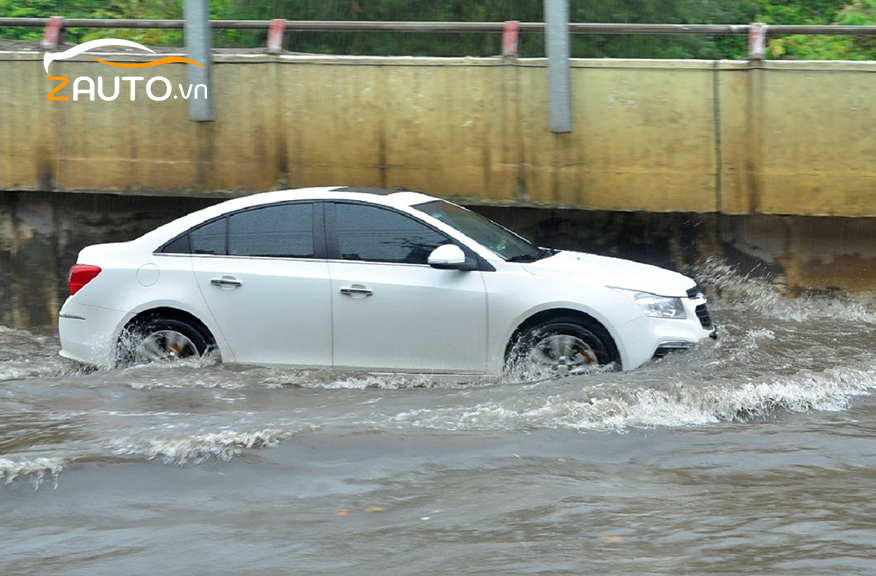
x=754 y=455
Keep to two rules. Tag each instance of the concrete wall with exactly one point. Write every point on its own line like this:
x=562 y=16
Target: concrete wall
x=41 y=234
x=729 y=137
x=767 y=164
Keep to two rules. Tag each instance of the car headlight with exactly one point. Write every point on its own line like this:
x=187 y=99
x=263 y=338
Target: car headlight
x=656 y=306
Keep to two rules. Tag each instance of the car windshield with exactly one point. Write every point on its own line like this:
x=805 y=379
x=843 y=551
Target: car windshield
x=499 y=240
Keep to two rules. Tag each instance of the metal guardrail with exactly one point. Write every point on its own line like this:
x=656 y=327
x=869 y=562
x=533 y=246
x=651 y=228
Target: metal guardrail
x=510 y=30
x=360 y=25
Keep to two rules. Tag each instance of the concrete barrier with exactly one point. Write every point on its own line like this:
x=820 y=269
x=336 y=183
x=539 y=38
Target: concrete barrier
x=700 y=136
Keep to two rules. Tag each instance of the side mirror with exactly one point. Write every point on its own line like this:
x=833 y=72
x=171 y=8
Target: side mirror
x=448 y=257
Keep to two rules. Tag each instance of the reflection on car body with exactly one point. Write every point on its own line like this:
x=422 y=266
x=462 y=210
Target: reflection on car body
x=346 y=278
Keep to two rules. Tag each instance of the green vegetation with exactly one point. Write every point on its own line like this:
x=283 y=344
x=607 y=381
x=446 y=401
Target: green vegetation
x=840 y=12
x=846 y=13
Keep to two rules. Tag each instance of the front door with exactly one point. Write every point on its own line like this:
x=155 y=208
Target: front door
x=391 y=310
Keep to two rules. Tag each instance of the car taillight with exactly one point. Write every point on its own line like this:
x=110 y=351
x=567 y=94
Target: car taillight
x=80 y=275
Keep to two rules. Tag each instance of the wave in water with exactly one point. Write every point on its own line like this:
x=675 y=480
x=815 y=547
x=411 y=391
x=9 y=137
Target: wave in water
x=619 y=407
x=184 y=449
x=36 y=471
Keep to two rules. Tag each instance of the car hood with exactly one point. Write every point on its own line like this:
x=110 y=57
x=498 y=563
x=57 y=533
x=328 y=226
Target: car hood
x=614 y=272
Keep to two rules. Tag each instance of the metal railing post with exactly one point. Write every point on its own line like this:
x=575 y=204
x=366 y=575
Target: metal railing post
x=556 y=17
x=197 y=34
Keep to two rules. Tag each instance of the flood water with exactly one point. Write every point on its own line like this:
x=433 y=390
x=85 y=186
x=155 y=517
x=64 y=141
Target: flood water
x=754 y=455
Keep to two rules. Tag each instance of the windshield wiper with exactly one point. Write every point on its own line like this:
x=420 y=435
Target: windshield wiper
x=546 y=253
x=542 y=253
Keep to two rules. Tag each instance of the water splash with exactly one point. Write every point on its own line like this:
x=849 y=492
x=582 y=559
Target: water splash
x=184 y=449
x=674 y=405
x=36 y=471
x=25 y=354
x=191 y=373
x=728 y=288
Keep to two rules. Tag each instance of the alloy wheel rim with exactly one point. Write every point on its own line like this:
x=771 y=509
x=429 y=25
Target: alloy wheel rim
x=165 y=345
x=562 y=355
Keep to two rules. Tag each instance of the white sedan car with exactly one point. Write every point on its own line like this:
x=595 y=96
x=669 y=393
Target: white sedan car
x=371 y=280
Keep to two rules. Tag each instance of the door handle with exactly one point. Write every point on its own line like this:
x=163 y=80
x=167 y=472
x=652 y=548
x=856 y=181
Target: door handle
x=357 y=291
x=226 y=282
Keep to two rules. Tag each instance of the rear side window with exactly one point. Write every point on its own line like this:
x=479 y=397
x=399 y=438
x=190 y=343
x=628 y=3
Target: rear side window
x=283 y=231
x=280 y=231
x=209 y=238
x=179 y=246
x=377 y=234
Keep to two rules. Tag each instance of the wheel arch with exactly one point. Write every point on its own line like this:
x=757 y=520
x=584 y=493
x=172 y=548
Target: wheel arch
x=586 y=320
x=170 y=313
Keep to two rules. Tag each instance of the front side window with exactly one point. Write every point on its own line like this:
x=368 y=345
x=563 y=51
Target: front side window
x=375 y=234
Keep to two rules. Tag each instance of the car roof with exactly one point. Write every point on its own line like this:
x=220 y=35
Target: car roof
x=380 y=196
x=372 y=195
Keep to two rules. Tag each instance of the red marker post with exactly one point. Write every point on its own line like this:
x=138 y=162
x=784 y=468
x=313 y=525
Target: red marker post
x=52 y=34
x=757 y=41
x=276 y=33
x=510 y=35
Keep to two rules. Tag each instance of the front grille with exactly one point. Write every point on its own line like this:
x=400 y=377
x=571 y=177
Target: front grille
x=703 y=315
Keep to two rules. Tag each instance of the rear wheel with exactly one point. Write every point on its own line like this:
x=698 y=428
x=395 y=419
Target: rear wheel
x=160 y=340
x=559 y=348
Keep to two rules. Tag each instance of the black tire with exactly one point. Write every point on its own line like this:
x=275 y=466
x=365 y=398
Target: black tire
x=561 y=347
x=160 y=340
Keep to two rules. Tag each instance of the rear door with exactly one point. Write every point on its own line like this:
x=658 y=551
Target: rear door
x=263 y=274
x=391 y=310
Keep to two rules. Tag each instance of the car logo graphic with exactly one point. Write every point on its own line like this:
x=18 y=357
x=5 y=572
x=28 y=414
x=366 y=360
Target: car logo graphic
x=49 y=57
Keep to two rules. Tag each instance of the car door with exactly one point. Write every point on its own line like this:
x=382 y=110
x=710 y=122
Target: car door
x=390 y=309
x=265 y=280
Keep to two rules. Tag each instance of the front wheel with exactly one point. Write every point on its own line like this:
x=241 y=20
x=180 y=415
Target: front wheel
x=560 y=348
x=160 y=340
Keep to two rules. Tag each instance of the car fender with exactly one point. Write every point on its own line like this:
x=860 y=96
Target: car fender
x=510 y=309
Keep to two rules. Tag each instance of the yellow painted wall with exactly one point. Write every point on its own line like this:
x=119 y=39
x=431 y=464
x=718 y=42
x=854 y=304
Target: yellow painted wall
x=700 y=136
x=819 y=139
